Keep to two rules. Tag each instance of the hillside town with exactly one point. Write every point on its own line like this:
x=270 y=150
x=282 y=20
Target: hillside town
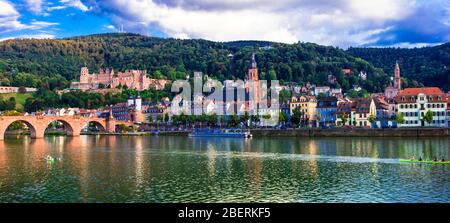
x=309 y=106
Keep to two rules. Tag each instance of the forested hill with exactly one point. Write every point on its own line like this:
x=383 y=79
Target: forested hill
x=53 y=63
x=428 y=65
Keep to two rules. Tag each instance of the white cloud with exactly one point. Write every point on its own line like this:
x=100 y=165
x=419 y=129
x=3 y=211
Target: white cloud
x=34 y=6
x=409 y=45
x=40 y=24
x=54 y=8
x=37 y=36
x=329 y=22
x=76 y=4
x=9 y=17
x=9 y=20
x=110 y=27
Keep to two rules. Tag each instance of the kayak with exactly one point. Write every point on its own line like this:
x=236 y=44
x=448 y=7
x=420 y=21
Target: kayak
x=425 y=161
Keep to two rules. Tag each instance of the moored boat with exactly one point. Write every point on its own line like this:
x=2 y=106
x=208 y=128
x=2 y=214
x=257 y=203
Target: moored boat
x=229 y=133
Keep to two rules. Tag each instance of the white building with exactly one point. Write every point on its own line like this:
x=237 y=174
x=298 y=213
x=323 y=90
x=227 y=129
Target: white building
x=414 y=103
x=319 y=90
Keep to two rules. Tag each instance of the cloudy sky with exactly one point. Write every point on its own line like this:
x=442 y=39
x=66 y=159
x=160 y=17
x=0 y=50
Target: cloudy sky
x=343 y=23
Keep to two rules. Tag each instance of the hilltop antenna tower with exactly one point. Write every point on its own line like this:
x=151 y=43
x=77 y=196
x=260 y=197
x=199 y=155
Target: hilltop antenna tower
x=121 y=28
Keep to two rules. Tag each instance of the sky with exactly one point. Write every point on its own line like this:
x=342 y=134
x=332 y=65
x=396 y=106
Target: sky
x=341 y=23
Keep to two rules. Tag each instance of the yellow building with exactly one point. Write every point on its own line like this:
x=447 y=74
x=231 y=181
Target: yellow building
x=307 y=106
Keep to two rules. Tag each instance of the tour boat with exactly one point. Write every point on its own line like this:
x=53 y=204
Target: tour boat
x=231 y=133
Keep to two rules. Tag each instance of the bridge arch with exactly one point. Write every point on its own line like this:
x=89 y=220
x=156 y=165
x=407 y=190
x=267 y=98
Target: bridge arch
x=69 y=129
x=96 y=124
x=5 y=127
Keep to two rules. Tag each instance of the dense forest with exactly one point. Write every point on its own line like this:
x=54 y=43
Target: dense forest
x=428 y=65
x=54 y=63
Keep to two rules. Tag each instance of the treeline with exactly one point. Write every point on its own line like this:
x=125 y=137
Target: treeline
x=176 y=59
x=428 y=65
x=43 y=99
x=7 y=105
x=33 y=80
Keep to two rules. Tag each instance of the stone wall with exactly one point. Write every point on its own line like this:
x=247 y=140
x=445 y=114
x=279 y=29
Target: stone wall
x=400 y=132
x=7 y=89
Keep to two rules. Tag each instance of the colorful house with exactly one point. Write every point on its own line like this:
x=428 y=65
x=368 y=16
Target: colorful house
x=307 y=106
x=415 y=103
x=326 y=111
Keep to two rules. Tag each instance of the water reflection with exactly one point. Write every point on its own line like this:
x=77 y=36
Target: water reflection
x=180 y=169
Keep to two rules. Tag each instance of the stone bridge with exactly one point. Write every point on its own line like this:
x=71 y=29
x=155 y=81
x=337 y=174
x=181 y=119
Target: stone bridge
x=72 y=124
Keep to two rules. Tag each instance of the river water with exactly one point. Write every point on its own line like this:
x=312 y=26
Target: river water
x=182 y=169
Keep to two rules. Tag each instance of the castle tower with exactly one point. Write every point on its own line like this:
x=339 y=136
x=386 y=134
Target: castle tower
x=397 y=79
x=130 y=101
x=84 y=75
x=110 y=121
x=138 y=103
x=138 y=115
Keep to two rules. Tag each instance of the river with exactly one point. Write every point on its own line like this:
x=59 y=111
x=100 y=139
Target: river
x=182 y=169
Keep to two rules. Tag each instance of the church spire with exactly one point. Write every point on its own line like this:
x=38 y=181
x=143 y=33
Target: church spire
x=397 y=78
x=253 y=64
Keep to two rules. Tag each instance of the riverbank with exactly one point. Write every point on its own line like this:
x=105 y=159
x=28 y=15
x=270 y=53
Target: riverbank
x=342 y=132
x=168 y=133
x=334 y=132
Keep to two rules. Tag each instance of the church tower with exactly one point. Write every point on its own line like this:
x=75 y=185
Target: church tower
x=253 y=77
x=253 y=70
x=397 y=79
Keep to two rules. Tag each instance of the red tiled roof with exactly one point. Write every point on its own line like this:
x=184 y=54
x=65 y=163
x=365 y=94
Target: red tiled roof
x=346 y=71
x=409 y=95
x=416 y=91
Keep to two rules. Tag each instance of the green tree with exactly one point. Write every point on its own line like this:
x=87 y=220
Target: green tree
x=285 y=96
x=17 y=125
x=296 y=117
x=212 y=119
x=192 y=119
x=11 y=104
x=123 y=128
x=254 y=119
x=272 y=75
x=12 y=113
x=233 y=121
x=175 y=119
x=344 y=117
x=266 y=116
x=150 y=118
x=321 y=95
x=203 y=119
x=282 y=117
x=244 y=118
x=428 y=117
x=184 y=119
x=22 y=90
x=159 y=118
x=371 y=119
x=399 y=118
x=166 y=118
x=223 y=120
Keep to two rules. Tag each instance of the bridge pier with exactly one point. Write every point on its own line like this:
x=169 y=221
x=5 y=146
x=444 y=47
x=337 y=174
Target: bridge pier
x=38 y=133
